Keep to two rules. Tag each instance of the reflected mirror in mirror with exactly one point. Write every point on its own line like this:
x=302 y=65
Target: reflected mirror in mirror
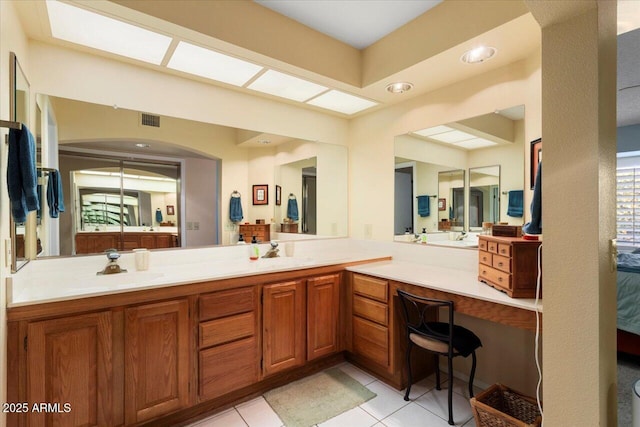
x=312 y=181
x=484 y=196
x=491 y=146
x=451 y=200
x=24 y=247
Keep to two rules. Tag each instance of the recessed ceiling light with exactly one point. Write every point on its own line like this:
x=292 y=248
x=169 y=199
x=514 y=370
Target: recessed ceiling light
x=399 y=87
x=452 y=136
x=142 y=145
x=203 y=62
x=77 y=25
x=341 y=102
x=479 y=54
x=286 y=86
x=264 y=141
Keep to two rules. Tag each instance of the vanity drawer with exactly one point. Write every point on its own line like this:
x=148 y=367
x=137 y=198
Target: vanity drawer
x=371 y=310
x=495 y=277
x=502 y=263
x=227 y=329
x=371 y=340
x=492 y=247
x=482 y=244
x=370 y=287
x=485 y=257
x=226 y=303
x=504 y=249
x=228 y=367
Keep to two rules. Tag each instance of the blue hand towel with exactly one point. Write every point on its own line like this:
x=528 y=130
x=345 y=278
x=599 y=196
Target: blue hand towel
x=235 y=209
x=22 y=178
x=292 y=209
x=424 y=203
x=55 y=196
x=516 y=203
x=535 y=226
x=158 y=216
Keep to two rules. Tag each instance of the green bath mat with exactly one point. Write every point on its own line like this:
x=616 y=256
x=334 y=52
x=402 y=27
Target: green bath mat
x=317 y=398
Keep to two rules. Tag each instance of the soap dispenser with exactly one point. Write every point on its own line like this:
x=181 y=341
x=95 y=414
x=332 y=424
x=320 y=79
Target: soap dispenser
x=254 y=250
x=241 y=240
x=423 y=236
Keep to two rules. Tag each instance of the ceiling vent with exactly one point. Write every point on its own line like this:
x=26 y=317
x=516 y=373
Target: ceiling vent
x=149 y=120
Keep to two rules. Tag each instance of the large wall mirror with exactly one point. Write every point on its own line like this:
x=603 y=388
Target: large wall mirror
x=484 y=196
x=19 y=109
x=432 y=190
x=168 y=180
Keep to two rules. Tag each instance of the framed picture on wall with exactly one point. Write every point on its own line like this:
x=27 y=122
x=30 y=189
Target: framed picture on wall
x=536 y=158
x=260 y=194
x=170 y=210
x=278 y=195
x=442 y=204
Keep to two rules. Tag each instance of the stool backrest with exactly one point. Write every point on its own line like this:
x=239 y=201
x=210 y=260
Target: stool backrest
x=419 y=312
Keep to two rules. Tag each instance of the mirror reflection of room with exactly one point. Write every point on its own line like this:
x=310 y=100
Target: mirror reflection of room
x=474 y=167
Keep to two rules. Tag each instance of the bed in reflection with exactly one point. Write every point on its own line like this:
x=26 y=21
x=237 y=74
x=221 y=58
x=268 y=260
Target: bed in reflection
x=628 y=303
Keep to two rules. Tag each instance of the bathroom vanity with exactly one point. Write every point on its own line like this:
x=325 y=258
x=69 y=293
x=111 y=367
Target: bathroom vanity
x=203 y=329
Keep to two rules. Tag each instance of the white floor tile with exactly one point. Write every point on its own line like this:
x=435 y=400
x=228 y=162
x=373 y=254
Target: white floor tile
x=228 y=418
x=355 y=417
x=387 y=401
x=357 y=374
x=471 y=423
x=414 y=415
x=436 y=402
x=421 y=387
x=462 y=388
x=258 y=413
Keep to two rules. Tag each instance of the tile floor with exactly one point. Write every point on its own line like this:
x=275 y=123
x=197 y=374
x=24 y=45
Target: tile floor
x=428 y=407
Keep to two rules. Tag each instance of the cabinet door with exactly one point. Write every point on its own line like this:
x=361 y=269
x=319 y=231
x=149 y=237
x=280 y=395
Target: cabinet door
x=283 y=326
x=70 y=361
x=148 y=242
x=164 y=241
x=323 y=300
x=156 y=359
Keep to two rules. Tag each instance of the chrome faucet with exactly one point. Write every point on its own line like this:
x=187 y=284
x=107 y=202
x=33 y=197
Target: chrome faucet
x=462 y=235
x=112 y=266
x=273 y=252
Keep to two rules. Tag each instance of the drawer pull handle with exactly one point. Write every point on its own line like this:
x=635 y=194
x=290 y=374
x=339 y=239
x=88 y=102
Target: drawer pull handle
x=499 y=264
x=499 y=279
x=484 y=271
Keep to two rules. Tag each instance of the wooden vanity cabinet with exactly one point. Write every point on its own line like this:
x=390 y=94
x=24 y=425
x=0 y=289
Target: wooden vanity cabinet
x=283 y=326
x=228 y=341
x=323 y=312
x=157 y=357
x=70 y=361
x=370 y=320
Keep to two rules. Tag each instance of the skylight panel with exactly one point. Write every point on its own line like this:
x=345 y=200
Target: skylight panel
x=341 y=102
x=452 y=136
x=80 y=26
x=213 y=65
x=475 y=143
x=433 y=130
x=286 y=86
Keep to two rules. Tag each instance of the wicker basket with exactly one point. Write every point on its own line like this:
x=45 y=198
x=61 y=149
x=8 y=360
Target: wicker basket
x=499 y=406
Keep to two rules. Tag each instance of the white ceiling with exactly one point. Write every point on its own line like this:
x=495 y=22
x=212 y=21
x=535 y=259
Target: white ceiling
x=358 y=23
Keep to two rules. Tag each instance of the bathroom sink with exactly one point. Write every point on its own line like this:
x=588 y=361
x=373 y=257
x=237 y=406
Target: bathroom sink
x=283 y=262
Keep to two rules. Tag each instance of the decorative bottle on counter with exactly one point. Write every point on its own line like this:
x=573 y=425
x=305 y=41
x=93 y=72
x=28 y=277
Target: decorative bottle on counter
x=241 y=240
x=423 y=236
x=254 y=250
